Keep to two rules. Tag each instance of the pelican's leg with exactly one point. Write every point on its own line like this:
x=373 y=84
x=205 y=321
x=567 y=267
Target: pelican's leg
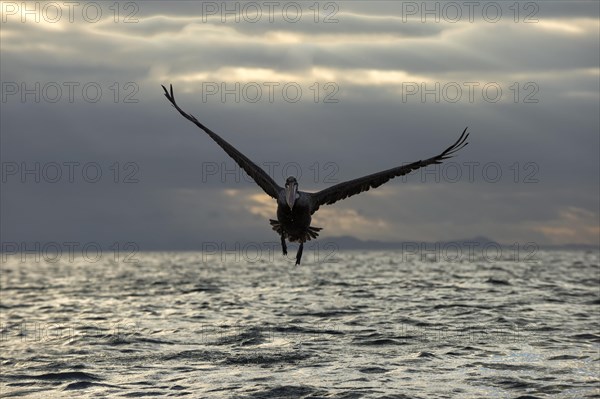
x=283 y=246
x=299 y=254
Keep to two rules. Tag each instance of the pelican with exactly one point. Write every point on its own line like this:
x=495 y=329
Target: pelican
x=295 y=207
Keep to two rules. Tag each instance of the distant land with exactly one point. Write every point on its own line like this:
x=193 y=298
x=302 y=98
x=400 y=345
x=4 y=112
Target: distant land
x=350 y=242
x=478 y=243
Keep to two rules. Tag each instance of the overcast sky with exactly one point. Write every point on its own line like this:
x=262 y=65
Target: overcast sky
x=325 y=91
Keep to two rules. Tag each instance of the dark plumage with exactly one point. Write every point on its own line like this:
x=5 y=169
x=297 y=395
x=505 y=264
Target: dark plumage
x=294 y=208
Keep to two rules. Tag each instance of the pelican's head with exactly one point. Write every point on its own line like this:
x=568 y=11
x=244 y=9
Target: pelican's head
x=291 y=191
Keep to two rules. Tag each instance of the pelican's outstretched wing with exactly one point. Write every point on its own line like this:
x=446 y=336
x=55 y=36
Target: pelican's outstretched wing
x=347 y=189
x=255 y=172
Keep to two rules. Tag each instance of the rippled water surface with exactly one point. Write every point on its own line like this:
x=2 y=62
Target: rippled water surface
x=367 y=326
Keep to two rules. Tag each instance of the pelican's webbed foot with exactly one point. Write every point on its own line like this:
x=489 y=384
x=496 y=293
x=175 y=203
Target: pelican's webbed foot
x=299 y=254
x=283 y=246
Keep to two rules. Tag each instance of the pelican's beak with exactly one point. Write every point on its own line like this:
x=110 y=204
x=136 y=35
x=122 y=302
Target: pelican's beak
x=290 y=194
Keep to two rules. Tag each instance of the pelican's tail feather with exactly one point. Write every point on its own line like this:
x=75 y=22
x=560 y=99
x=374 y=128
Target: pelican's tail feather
x=276 y=226
x=311 y=233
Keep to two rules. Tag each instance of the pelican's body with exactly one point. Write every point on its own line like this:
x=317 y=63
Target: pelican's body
x=294 y=221
x=295 y=208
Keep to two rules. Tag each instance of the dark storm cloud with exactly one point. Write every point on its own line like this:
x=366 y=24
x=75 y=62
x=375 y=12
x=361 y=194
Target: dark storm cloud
x=180 y=200
x=400 y=9
x=157 y=40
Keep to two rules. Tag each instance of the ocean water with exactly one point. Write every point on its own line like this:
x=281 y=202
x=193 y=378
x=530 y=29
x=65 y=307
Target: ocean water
x=360 y=324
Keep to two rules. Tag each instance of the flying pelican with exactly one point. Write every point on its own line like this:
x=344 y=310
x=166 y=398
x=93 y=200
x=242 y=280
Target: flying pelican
x=294 y=207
